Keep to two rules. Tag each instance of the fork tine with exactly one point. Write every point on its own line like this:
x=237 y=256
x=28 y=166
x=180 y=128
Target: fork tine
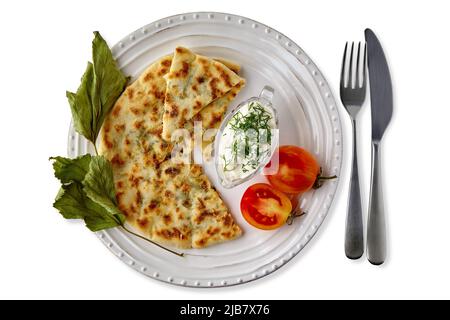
x=364 y=79
x=350 y=70
x=343 y=82
x=358 y=70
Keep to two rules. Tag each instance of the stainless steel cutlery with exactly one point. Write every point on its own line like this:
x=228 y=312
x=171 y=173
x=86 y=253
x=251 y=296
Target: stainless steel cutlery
x=353 y=94
x=381 y=101
x=353 y=91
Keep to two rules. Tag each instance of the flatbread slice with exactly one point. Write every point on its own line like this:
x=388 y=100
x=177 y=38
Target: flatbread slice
x=212 y=222
x=162 y=200
x=197 y=217
x=193 y=82
x=211 y=117
x=134 y=126
x=233 y=66
x=174 y=204
x=136 y=119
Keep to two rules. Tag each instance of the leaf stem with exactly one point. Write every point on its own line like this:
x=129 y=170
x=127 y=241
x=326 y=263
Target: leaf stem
x=156 y=244
x=95 y=148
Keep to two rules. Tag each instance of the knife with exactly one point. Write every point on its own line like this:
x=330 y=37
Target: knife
x=381 y=106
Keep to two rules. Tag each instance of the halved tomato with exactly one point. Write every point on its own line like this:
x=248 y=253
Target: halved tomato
x=264 y=207
x=298 y=170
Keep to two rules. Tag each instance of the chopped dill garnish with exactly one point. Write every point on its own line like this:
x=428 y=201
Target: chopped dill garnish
x=252 y=132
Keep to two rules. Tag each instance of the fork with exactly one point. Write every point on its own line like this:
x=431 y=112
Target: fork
x=353 y=93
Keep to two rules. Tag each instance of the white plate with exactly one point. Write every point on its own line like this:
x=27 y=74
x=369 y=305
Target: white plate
x=307 y=115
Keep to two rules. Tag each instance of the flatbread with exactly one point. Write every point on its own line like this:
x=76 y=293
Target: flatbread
x=230 y=64
x=211 y=117
x=134 y=125
x=195 y=215
x=172 y=204
x=136 y=119
x=193 y=82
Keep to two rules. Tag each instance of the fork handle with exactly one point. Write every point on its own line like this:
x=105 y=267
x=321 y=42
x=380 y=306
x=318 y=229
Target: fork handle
x=376 y=227
x=354 y=239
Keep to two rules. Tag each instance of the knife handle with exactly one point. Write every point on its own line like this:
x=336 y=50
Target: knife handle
x=354 y=238
x=376 y=226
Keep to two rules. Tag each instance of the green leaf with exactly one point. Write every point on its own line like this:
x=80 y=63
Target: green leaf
x=69 y=202
x=68 y=170
x=88 y=193
x=99 y=186
x=73 y=203
x=109 y=80
x=101 y=85
x=81 y=105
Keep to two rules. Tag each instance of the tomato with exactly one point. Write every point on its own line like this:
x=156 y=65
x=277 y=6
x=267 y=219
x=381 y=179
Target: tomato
x=294 y=200
x=264 y=207
x=298 y=170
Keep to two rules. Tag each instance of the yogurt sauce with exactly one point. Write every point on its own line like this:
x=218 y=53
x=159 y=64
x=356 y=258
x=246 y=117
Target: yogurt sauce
x=246 y=142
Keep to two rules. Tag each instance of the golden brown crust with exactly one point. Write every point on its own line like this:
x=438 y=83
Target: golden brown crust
x=160 y=198
x=193 y=82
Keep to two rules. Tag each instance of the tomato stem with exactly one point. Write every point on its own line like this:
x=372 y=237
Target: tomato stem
x=293 y=215
x=319 y=180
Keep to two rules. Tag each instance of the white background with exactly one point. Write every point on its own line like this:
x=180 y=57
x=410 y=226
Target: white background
x=44 y=49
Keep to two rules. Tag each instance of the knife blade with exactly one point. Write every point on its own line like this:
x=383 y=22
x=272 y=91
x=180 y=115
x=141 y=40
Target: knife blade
x=380 y=86
x=381 y=108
